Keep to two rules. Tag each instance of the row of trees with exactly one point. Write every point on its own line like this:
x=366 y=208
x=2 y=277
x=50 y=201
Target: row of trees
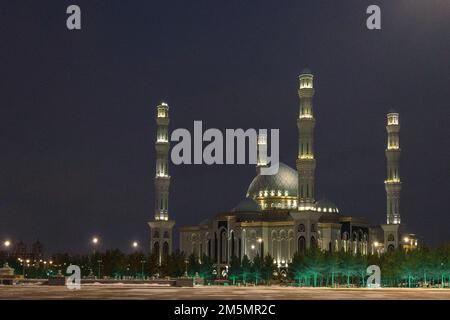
x=419 y=267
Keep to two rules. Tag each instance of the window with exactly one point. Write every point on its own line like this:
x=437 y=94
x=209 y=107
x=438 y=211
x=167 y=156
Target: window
x=313 y=242
x=156 y=249
x=301 y=245
x=313 y=227
x=165 y=249
x=301 y=228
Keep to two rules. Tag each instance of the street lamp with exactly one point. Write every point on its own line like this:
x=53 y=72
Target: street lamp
x=99 y=267
x=7 y=244
x=25 y=265
x=95 y=241
x=142 y=270
x=260 y=241
x=186 y=261
x=135 y=244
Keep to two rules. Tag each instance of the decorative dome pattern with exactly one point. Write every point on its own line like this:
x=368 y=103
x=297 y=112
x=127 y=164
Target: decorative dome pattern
x=247 y=205
x=284 y=183
x=306 y=71
x=325 y=205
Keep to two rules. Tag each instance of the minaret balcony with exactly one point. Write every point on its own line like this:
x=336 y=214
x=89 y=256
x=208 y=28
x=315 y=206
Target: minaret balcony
x=392 y=181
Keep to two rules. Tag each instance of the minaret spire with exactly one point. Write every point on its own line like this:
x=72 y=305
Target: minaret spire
x=261 y=152
x=393 y=183
x=306 y=164
x=161 y=227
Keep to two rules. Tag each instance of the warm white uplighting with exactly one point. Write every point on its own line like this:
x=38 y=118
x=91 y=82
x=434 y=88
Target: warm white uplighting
x=392 y=181
x=7 y=243
x=406 y=239
x=260 y=240
x=392 y=118
x=253 y=247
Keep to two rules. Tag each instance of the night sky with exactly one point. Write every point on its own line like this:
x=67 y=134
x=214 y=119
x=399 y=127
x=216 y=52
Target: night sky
x=77 y=109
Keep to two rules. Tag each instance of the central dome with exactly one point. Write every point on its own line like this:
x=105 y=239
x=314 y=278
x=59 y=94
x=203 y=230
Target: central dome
x=284 y=183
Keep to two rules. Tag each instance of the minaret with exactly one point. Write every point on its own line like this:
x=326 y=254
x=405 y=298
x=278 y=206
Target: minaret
x=392 y=184
x=161 y=227
x=261 y=152
x=306 y=164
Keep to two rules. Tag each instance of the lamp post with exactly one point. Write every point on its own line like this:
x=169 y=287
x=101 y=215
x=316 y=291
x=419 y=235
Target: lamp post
x=95 y=241
x=376 y=244
x=135 y=245
x=260 y=241
x=186 y=261
x=7 y=245
x=142 y=268
x=99 y=267
x=25 y=265
x=409 y=242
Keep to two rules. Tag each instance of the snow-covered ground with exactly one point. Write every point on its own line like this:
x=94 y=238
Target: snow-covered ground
x=146 y=291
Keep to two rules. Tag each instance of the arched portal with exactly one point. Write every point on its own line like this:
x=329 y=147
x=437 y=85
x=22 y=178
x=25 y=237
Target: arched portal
x=156 y=249
x=165 y=249
x=302 y=245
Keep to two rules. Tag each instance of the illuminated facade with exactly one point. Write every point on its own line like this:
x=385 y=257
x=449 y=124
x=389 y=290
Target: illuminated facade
x=306 y=164
x=161 y=227
x=394 y=233
x=280 y=216
x=393 y=183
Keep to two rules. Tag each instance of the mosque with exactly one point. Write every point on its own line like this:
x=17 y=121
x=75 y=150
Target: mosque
x=279 y=215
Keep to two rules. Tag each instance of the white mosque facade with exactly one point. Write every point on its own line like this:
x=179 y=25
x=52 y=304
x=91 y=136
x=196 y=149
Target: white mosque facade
x=279 y=214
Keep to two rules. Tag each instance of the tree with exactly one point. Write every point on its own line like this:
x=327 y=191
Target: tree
x=297 y=268
x=245 y=268
x=332 y=265
x=152 y=266
x=193 y=265
x=268 y=268
x=347 y=265
x=234 y=269
x=112 y=262
x=135 y=263
x=205 y=268
x=360 y=267
x=256 y=268
x=314 y=264
x=173 y=265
